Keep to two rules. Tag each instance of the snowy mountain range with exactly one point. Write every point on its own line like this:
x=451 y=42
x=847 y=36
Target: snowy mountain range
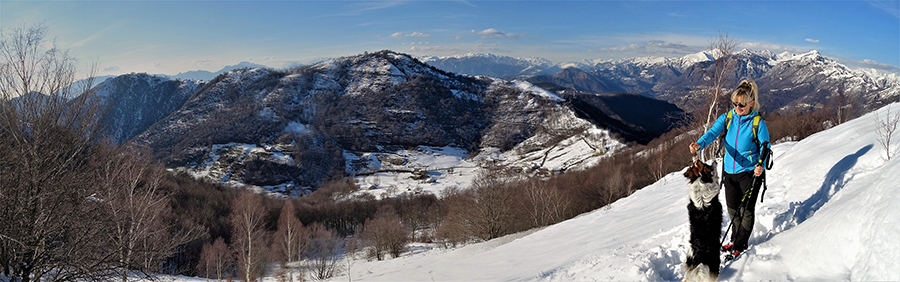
x=207 y=75
x=287 y=131
x=787 y=81
x=493 y=65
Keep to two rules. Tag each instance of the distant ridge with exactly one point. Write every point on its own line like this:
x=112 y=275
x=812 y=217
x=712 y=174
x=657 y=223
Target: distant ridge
x=207 y=75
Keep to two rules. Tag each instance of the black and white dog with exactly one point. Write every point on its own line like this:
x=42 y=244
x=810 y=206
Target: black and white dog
x=705 y=213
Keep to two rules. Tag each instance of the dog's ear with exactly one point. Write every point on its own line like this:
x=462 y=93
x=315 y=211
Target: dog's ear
x=690 y=172
x=693 y=172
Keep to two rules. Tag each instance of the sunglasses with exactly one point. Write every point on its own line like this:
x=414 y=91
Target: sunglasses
x=739 y=105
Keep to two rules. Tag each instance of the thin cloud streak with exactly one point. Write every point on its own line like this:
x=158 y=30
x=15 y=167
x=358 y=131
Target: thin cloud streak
x=774 y=47
x=866 y=63
x=492 y=33
x=889 y=7
x=359 y=8
x=414 y=34
x=93 y=37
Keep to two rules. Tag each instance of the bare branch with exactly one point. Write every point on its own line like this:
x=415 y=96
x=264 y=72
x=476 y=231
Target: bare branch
x=885 y=126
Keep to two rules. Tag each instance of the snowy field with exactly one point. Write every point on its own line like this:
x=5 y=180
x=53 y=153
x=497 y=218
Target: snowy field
x=830 y=213
x=390 y=174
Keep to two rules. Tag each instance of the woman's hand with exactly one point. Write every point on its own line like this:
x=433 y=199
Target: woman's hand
x=758 y=170
x=694 y=147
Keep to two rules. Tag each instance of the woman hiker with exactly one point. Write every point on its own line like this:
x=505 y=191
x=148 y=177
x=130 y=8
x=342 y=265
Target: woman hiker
x=744 y=131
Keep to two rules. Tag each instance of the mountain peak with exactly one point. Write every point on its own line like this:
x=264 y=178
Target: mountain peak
x=243 y=64
x=492 y=65
x=207 y=75
x=762 y=53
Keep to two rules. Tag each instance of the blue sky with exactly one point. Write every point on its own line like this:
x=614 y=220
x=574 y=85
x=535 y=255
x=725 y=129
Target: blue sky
x=170 y=37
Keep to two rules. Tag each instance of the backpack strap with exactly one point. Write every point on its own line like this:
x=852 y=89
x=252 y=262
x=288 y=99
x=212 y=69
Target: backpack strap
x=728 y=120
x=756 y=120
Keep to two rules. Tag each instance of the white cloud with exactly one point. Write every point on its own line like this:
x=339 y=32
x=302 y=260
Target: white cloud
x=436 y=49
x=654 y=47
x=493 y=33
x=356 y=8
x=360 y=7
x=113 y=68
x=873 y=65
x=468 y=3
x=414 y=34
x=92 y=37
x=774 y=47
x=889 y=7
x=626 y=48
x=812 y=40
x=485 y=45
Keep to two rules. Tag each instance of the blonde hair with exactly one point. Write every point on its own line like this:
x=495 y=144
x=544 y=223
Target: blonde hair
x=748 y=92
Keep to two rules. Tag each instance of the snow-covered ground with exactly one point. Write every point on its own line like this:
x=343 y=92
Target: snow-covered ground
x=390 y=174
x=830 y=213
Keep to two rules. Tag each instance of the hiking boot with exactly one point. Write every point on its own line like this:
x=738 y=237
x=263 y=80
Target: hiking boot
x=728 y=247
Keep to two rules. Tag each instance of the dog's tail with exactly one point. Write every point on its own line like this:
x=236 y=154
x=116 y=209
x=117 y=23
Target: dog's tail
x=699 y=273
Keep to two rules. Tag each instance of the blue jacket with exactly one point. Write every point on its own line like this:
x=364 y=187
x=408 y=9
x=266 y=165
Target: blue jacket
x=741 y=153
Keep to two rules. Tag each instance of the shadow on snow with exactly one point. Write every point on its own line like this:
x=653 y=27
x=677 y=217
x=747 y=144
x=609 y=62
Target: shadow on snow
x=835 y=180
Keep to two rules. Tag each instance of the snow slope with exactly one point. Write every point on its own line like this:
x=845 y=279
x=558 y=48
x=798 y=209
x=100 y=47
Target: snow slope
x=830 y=213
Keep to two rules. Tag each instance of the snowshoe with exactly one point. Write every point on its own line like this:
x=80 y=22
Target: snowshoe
x=727 y=248
x=732 y=255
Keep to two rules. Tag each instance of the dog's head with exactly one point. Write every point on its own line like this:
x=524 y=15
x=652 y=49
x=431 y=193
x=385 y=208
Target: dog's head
x=700 y=170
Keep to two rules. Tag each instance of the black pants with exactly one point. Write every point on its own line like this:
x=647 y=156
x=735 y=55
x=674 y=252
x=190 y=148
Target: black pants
x=736 y=187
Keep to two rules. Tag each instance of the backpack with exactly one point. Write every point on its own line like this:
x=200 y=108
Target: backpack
x=765 y=154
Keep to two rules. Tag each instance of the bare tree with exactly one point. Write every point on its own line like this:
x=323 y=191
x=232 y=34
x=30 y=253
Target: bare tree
x=350 y=255
x=547 y=204
x=384 y=234
x=658 y=162
x=613 y=186
x=839 y=103
x=722 y=49
x=216 y=260
x=50 y=221
x=136 y=208
x=491 y=215
x=885 y=126
x=455 y=204
x=248 y=235
x=843 y=107
x=290 y=238
x=323 y=251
